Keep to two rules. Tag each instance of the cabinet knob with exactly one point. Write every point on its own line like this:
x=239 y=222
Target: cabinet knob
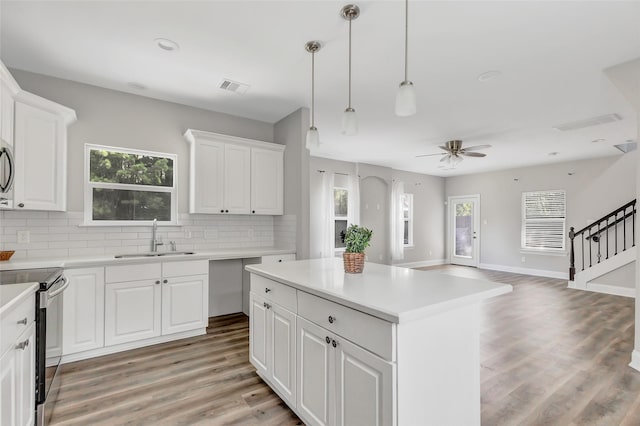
x=327 y=340
x=157 y=281
x=4 y=202
x=253 y=211
x=23 y=321
x=334 y=343
x=21 y=205
x=165 y=281
x=222 y=211
x=22 y=345
x=266 y=305
x=332 y=319
x=267 y=290
x=226 y=211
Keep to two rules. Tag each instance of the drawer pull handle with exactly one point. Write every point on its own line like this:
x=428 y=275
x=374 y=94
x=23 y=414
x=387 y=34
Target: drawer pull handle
x=332 y=319
x=334 y=343
x=22 y=345
x=267 y=290
x=23 y=321
x=328 y=340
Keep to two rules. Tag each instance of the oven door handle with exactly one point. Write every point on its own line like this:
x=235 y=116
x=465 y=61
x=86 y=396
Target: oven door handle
x=59 y=290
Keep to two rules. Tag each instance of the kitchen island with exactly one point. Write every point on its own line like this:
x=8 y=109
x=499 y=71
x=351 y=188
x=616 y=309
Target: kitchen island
x=390 y=346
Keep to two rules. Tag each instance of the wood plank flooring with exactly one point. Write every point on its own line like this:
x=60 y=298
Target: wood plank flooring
x=549 y=356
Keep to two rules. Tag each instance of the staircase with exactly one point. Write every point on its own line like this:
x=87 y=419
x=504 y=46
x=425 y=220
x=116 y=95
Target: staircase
x=606 y=245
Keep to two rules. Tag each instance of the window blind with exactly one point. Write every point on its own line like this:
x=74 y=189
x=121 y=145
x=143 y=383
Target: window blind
x=543 y=220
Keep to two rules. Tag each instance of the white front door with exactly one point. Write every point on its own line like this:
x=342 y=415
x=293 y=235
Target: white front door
x=464 y=230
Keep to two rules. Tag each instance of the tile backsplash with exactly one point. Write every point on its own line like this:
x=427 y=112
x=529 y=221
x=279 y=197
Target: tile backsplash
x=58 y=234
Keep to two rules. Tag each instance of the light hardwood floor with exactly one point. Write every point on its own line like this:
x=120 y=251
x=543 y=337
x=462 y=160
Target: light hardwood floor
x=550 y=356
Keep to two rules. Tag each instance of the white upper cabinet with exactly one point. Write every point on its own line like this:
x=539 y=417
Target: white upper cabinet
x=40 y=147
x=267 y=181
x=8 y=90
x=231 y=175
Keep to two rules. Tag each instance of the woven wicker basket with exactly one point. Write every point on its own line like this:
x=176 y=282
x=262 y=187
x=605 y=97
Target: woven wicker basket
x=6 y=255
x=353 y=262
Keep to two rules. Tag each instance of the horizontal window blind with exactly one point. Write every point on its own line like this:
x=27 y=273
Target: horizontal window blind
x=543 y=220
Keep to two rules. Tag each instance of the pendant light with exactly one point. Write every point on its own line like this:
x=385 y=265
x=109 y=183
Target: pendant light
x=349 y=118
x=313 y=138
x=406 y=97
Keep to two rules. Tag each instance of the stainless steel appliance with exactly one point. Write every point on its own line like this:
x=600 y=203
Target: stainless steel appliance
x=48 y=332
x=7 y=175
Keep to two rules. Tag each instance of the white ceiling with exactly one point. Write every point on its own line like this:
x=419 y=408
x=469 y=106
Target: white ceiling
x=551 y=56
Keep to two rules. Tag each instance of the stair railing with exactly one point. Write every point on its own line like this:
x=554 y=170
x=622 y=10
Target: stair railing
x=601 y=229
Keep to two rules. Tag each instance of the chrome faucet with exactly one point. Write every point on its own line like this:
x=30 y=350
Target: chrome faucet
x=154 y=237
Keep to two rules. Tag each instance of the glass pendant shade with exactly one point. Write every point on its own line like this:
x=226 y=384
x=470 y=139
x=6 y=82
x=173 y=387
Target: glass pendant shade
x=406 y=99
x=313 y=138
x=455 y=160
x=349 y=122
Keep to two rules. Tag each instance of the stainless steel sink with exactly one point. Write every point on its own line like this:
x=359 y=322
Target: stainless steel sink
x=153 y=254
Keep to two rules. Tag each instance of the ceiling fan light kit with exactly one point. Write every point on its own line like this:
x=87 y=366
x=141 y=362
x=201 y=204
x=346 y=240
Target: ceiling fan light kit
x=313 y=137
x=406 y=98
x=349 y=117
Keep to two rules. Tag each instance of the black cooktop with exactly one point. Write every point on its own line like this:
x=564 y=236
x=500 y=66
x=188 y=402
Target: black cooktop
x=40 y=275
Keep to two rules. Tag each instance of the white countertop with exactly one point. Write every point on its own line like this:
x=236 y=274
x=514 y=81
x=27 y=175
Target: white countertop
x=103 y=260
x=388 y=292
x=13 y=294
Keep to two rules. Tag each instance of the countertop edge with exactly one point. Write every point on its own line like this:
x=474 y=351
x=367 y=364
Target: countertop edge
x=409 y=316
x=108 y=260
x=30 y=289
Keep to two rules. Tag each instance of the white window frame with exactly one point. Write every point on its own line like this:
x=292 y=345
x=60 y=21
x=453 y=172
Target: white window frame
x=409 y=219
x=543 y=250
x=89 y=186
x=334 y=218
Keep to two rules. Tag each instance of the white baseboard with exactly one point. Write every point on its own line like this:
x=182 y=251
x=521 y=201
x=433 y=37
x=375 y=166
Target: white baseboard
x=421 y=263
x=107 y=350
x=612 y=289
x=635 y=360
x=525 y=271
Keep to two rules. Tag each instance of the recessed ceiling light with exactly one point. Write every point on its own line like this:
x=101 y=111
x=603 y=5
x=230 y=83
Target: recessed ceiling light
x=489 y=75
x=166 y=44
x=553 y=154
x=136 y=86
x=598 y=140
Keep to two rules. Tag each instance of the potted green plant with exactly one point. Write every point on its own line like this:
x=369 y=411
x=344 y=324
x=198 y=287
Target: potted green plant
x=356 y=239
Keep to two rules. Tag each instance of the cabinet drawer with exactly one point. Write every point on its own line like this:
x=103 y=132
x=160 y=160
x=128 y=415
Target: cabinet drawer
x=13 y=323
x=373 y=334
x=276 y=258
x=124 y=273
x=184 y=268
x=276 y=292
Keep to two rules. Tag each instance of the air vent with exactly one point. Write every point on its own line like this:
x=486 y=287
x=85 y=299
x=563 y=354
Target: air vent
x=234 y=86
x=595 y=121
x=627 y=147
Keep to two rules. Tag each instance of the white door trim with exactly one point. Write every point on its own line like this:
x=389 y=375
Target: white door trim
x=476 y=226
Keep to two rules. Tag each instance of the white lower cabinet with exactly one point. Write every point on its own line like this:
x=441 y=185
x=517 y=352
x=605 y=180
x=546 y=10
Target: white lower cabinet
x=17 y=380
x=83 y=313
x=184 y=303
x=132 y=311
x=272 y=345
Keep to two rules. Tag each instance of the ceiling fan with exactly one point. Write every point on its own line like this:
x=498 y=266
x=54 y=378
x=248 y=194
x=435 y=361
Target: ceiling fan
x=455 y=152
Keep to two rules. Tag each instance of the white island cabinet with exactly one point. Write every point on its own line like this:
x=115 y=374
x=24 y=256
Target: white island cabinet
x=390 y=346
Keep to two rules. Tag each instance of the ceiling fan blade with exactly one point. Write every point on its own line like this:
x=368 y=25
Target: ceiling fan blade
x=473 y=154
x=431 y=155
x=445 y=158
x=476 y=148
x=444 y=147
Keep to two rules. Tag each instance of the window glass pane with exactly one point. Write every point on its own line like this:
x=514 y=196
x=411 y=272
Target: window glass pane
x=118 y=204
x=340 y=229
x=341 y=198
x=464 y=230
x=137 y=169
x=406 y=232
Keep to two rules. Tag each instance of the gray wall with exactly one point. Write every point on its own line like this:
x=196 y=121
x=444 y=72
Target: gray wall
x=108 y=117
x=374 y=214
x=596 y=188
x=291 y=131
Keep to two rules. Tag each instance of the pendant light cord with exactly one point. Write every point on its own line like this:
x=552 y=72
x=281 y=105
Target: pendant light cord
x=350 y=19
x=406 y=40
x=313 y=88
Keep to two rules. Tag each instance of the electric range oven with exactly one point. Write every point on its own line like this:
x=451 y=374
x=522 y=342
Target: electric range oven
x=52 y=283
